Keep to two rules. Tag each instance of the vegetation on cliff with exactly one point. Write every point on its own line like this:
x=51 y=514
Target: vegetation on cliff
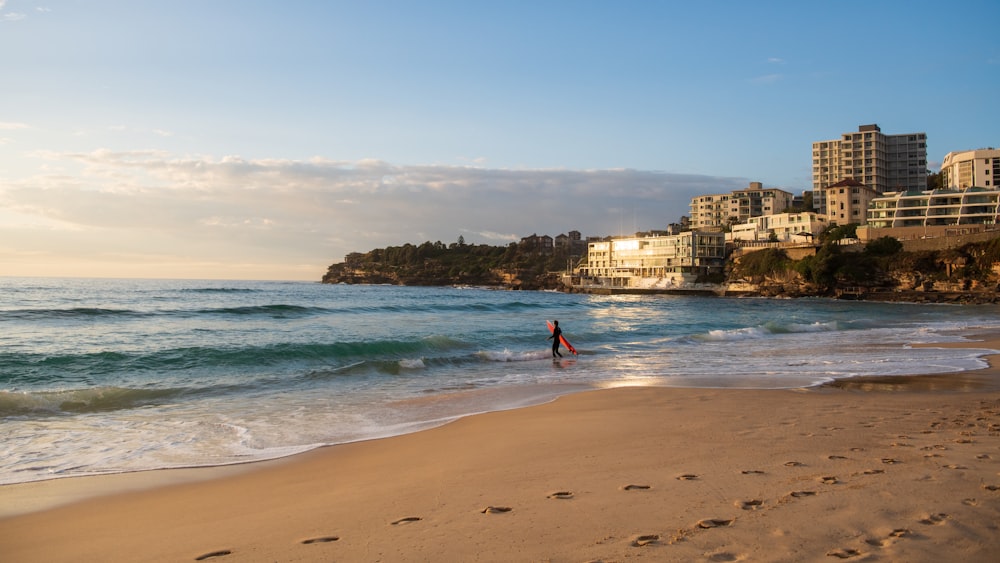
x=882 y=265
x=434 y=263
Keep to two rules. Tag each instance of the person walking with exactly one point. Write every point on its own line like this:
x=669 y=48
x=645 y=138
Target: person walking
x=556 y=333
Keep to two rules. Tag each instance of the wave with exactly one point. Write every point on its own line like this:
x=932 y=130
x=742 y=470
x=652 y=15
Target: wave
x=78 y=401
x=764 y=331
x=19 y=369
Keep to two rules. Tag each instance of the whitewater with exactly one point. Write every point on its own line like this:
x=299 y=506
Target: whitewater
x=108 y=376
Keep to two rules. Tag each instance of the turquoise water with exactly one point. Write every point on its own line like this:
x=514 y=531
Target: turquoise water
x=103 y=376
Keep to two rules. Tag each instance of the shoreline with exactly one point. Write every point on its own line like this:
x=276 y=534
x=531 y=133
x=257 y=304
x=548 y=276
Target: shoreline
x=675 y=473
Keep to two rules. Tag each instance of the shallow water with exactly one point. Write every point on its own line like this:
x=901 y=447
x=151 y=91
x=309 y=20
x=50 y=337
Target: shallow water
x=102 y=376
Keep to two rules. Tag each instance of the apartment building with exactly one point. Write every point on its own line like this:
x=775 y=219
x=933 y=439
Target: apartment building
x=882 y=162
x=966 y=169
x=928 y=208
x=713 y=212
x=847 y=202
x=651 y=262
x=782 y=227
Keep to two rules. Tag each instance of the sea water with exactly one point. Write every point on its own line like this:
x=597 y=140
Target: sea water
x=105 y=376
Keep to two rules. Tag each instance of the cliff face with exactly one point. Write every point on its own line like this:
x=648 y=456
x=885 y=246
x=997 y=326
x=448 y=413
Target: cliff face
x=970 y=274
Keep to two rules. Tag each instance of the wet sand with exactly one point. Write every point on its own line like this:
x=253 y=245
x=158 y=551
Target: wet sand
x=874 y=469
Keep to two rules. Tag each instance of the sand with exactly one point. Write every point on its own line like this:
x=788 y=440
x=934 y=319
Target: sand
x=873 y=470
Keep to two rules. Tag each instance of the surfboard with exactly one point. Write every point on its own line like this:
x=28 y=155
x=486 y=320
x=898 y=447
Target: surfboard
x=562 y=338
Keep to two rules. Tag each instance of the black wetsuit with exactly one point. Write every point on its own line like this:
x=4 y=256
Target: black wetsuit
x=556 y=332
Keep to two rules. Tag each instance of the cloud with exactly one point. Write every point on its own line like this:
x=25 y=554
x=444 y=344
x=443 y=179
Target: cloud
x=316 y=211
x=9 y=126
x=776 y=60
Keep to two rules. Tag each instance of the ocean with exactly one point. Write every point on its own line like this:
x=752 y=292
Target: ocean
x=106 y=376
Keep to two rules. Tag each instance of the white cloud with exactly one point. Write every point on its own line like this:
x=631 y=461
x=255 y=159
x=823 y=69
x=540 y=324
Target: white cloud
x=776 y=60
x=9 y=126
x=232 y=209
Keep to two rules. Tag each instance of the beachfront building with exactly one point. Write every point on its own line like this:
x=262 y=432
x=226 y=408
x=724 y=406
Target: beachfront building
x=944 y=207
x=717 y=211
x=783 y=227
x=965 y=169
x=882 y=162
x=653 y=262
x=847 y=202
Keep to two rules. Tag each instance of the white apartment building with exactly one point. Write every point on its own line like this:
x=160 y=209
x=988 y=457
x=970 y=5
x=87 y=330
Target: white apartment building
x=967 y=206
x=654 y=261
x=786 y=227
x=965 y=169
x=882 y=162
x=713 y=212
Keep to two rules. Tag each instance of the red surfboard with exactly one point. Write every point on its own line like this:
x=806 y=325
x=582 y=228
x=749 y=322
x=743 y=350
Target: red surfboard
x=562 y=339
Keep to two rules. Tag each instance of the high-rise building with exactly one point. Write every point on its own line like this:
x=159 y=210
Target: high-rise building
x=966 y=169
x=885 y=163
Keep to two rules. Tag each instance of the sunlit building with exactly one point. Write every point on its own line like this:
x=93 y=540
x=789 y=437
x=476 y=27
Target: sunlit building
x=966 y=169
x=927 y=208
x=653 y=262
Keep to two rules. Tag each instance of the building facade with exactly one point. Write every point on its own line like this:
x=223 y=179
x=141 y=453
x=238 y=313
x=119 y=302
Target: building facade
x=653 y=262
x=883 y=162
x=714 y=212
x=783 y=227
x=945 y=207
x=847 y=202
x=966 y=169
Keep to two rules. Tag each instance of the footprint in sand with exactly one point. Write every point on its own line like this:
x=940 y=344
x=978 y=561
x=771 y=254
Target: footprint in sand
x=752 y=504
x=725 y=556
x=561 y=495
x=836 y=457
x=640 y=541
x=983 y=456
x=845 y=553
x=934 y=519
x=970 y=502
x=752 y=472
x=714 y=523
x=873 y=471
x=964 y=441
x=893 y=535
x=212 y=554
x=406 y=520
x=992 y=488
x=323 y=539
x=801 y=494
x=687 y=477
x=636 y=487
x=829 y=480
x=890 y=461
x=794 y=464
x=955 y=466
x=496 y=509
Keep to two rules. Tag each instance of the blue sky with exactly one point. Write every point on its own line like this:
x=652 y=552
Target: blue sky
x=265 y=140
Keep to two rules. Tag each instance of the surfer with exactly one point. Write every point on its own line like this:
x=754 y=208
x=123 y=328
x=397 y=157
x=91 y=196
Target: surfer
x=556 y=333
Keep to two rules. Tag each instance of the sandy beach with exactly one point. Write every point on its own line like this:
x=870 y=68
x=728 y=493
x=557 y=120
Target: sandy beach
x=875 y=469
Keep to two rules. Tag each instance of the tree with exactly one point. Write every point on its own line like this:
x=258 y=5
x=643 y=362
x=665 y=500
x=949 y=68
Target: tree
x=883 y=246
x=935 y=180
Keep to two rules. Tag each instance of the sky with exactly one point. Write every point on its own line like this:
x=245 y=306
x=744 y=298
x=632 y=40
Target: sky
x=242 y=139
